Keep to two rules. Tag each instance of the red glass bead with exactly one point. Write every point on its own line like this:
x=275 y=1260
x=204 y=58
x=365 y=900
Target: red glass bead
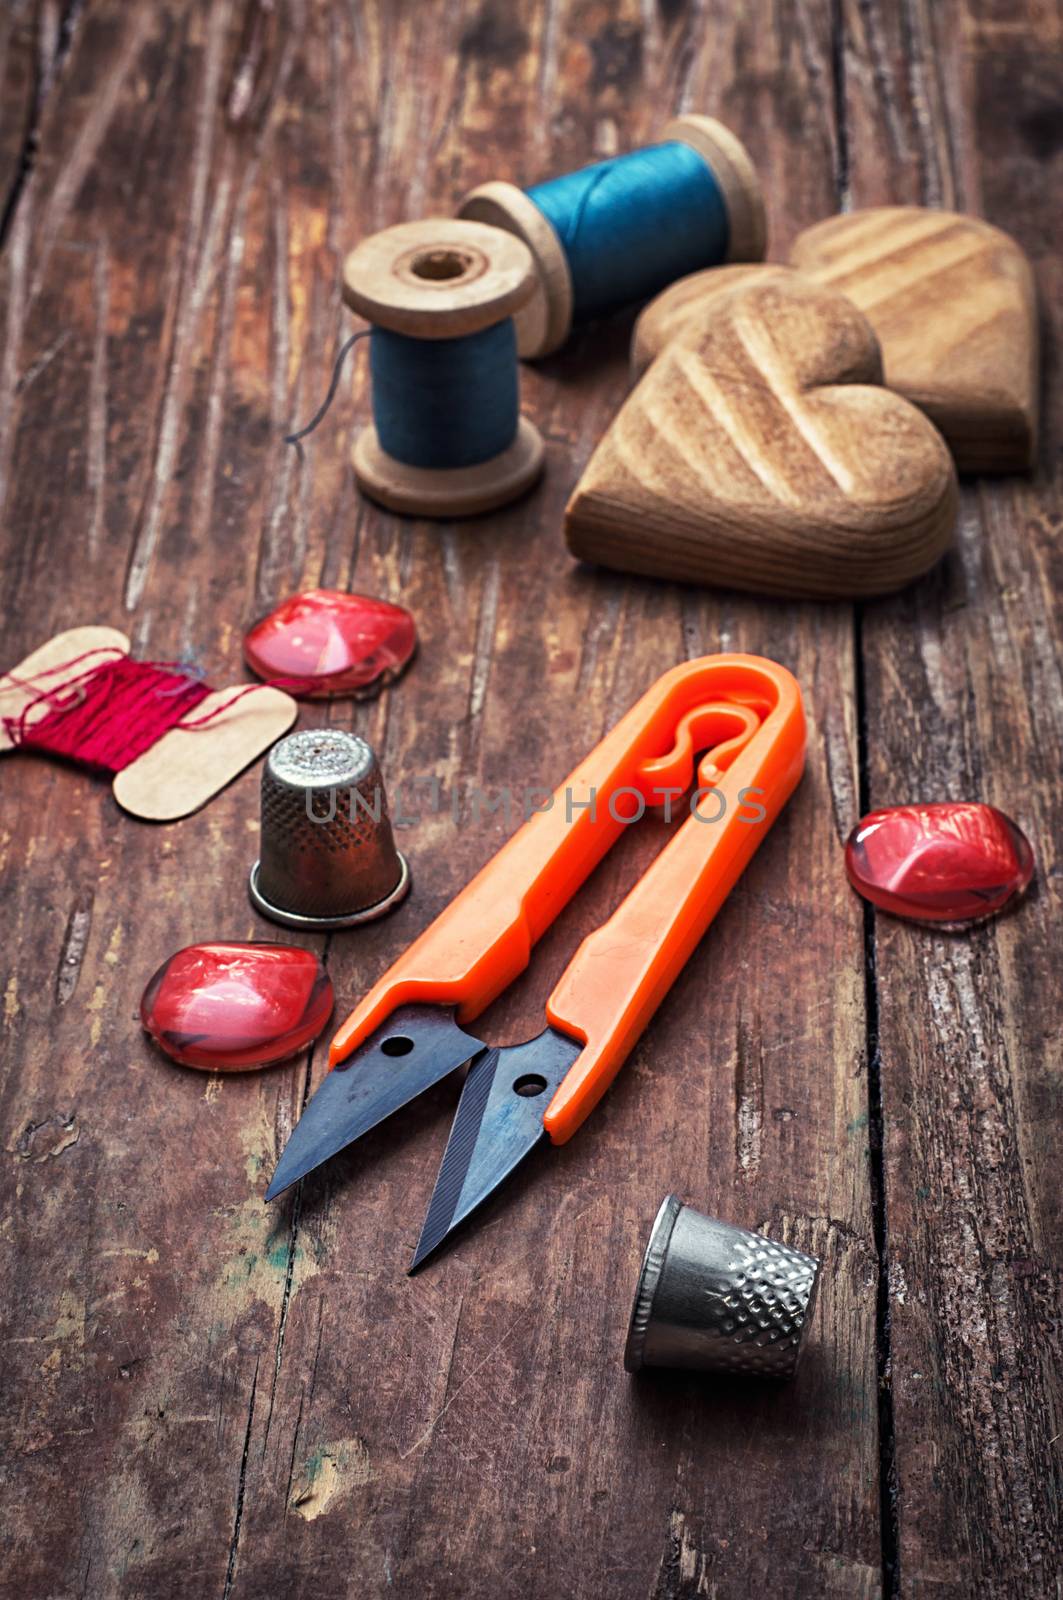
x=229 y=1007
x=951 y=861
x=326 y=643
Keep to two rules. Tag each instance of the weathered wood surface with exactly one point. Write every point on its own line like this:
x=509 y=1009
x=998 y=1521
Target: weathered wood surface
x=962 y=696
x=201 y=1396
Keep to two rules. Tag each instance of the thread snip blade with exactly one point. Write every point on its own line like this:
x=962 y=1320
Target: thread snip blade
x=457 y=1158
x=413 y=1049
x=499 y=1121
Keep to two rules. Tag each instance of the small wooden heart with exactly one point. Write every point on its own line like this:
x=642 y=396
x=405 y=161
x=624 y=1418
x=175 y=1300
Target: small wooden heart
x=952 y=301
x=760 y=452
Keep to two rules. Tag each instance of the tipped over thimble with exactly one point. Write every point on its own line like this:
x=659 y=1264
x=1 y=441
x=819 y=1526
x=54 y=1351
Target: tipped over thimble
x=719 y=1298
x=328 y=854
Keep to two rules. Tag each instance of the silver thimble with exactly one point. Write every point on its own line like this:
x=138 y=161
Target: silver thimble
x=328 y=855
x=718 y=1298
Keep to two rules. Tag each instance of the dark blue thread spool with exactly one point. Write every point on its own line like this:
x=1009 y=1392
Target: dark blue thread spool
x=445 y=402
x=618 y=232
x=447 y=438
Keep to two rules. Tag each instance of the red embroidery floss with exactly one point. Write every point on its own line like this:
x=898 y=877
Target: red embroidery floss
x=107 y=716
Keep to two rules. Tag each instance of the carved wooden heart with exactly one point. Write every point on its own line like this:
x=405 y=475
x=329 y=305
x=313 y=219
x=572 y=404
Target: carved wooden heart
x=952 y=301
x=760 y=452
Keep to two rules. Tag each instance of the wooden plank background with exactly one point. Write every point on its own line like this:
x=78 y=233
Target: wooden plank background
x=205 y=1396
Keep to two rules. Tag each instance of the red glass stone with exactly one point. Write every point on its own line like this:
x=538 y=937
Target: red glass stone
x=229 y=1007
x=951 y=861
x=326 y=643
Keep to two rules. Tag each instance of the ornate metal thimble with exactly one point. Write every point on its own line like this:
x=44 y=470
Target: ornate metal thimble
x=718 y=1298
x=328 y=855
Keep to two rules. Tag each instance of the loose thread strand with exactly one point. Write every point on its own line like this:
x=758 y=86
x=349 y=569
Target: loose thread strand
x=319 y=415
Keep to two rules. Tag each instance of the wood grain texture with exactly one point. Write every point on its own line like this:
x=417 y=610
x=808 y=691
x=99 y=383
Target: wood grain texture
x=19 y=34
x=202 y=1397
x=761 y=452
x=961 y=697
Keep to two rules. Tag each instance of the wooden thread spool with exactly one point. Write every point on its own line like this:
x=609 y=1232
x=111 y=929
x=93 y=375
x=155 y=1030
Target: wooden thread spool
x=648 y=258
x=439 y=286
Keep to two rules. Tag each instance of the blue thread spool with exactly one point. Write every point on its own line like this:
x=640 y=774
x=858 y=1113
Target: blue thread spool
x=618 y=232
x=447 y=439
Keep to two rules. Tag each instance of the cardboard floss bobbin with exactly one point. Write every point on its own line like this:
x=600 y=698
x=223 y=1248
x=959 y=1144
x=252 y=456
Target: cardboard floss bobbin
x=187 y=766
x=440 y=282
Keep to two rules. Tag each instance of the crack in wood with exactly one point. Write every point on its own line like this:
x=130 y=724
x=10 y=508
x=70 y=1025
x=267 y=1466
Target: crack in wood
x=936 y=185
x=238 y=1514
x=296 y=1209
x=888 y=1490
x=53 y=48
x=840 y=107
x=748 y=1103
x=75 y=943
x=286 y=1296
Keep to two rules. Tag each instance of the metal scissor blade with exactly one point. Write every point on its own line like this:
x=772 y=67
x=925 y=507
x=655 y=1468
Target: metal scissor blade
x=498 y=1122
x=413 y=1049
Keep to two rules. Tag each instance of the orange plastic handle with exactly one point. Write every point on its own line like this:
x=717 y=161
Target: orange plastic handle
x=748 y=709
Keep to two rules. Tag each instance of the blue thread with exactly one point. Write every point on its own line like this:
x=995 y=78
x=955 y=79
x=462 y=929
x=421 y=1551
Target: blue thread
x=633 y=225
x=445 y=402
